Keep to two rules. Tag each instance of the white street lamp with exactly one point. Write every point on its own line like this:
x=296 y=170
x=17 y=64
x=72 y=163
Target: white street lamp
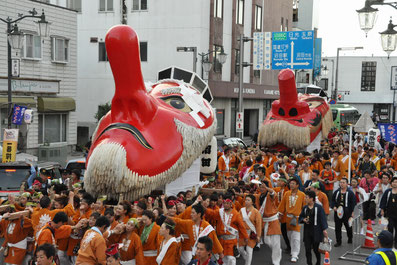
x=43 y=26
x=367 y=17
x=389 y=39
x=206 y=64
x=15 y=38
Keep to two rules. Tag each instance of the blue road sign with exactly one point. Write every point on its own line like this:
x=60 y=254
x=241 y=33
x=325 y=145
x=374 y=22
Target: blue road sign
x=317 y=57
x=292 y=49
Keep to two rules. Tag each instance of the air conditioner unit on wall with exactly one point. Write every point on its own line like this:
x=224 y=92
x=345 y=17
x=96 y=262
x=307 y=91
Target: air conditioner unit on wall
x=53 y=154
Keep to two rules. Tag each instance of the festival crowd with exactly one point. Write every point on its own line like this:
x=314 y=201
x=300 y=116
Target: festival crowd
x=256 y=197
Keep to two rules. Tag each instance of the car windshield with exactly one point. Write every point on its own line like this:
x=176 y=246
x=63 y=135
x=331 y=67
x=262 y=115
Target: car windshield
x=12 y=179
x=76 y=165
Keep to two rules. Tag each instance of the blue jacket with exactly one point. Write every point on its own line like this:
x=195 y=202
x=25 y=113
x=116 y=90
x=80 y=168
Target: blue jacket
x=385 y=199
x=376 y=259
x=320 y=222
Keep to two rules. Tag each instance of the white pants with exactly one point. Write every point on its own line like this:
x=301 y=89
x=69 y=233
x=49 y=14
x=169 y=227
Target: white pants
x=229 y=260
x=63 y=257
x=247 y=255
x=295 y=241
x=274 y=242
x=186 y=257
x=73 y=259
x=128 y=262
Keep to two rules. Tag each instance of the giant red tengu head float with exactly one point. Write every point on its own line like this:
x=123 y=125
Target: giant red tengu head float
x=151 y=135
x=295 y=121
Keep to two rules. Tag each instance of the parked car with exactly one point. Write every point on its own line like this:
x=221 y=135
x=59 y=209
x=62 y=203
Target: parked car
x=53 y=167
x=231 y=142
x=78 y=163
x=12 y=175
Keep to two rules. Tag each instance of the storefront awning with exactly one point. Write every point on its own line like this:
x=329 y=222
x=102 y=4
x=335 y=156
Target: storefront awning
x=60 y=104
x=23 y=101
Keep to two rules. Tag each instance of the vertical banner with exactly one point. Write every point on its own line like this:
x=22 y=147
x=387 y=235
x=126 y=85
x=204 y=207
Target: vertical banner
x=268 y=51
x=10 y=142
x=389 y=132
x=317 y=57
x=258 y=51
x=393 y=78
x=18 y=114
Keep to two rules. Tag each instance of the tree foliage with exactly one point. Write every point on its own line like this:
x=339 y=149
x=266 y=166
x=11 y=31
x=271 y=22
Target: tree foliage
x=102 y=110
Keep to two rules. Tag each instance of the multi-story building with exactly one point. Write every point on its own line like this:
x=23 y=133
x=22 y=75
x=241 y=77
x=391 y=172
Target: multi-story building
x=305 y=17
x=363 y=82
x=163 y=26
x=48 y=76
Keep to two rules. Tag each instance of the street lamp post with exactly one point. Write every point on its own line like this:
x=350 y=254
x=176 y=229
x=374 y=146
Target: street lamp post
x=241 y=65
x=332 y=72
x=389 y=38
x=206 y=64
x=15 y=38
x=335 y=94
x=367 y=18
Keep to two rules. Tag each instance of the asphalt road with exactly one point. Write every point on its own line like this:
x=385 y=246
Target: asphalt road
x=263 y=256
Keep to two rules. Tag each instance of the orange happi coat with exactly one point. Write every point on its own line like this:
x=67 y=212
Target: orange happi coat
x=188 y=227
x=40 y=217
x=15 y=231
x=173 y=254
x=132 y=248
x=291 y=207
x=270 y=209
x=92 y=249
x=235 y=221
x=256 y=220
x=152 y=243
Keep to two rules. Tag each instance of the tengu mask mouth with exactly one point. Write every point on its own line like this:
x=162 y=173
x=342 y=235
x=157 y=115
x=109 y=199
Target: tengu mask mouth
x=151 y=135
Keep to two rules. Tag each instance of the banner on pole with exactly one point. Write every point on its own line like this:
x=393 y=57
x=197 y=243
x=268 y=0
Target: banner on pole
x=388 y=132
x=10 y=141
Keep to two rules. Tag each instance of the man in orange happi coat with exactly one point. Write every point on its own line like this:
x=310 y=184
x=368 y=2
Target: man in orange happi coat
x=195 y=228
x=290 y=207
x=224 y=163
x=15 y=233
x=93 y=245
x=229 y=226
x=269 y=213
x=343 y=166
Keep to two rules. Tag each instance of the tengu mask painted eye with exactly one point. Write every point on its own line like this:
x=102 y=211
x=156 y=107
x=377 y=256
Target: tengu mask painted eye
x=177 y=103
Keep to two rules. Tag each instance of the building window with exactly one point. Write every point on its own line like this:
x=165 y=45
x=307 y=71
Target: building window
x=32 y=47
x=267 y=106
x=220 y=117
x=74 y=4
x=286 y=24
x=59 y=49
x=106 y=5
x=143 y=51
x=236 y=62
x=257 y=73
x=240 y=12
x=102 y=55
x=282 y=24
x=218 y=8
x=368 y=76
x=217 y=65
x=258 y=17
x=138 y=5
x=52 y=128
